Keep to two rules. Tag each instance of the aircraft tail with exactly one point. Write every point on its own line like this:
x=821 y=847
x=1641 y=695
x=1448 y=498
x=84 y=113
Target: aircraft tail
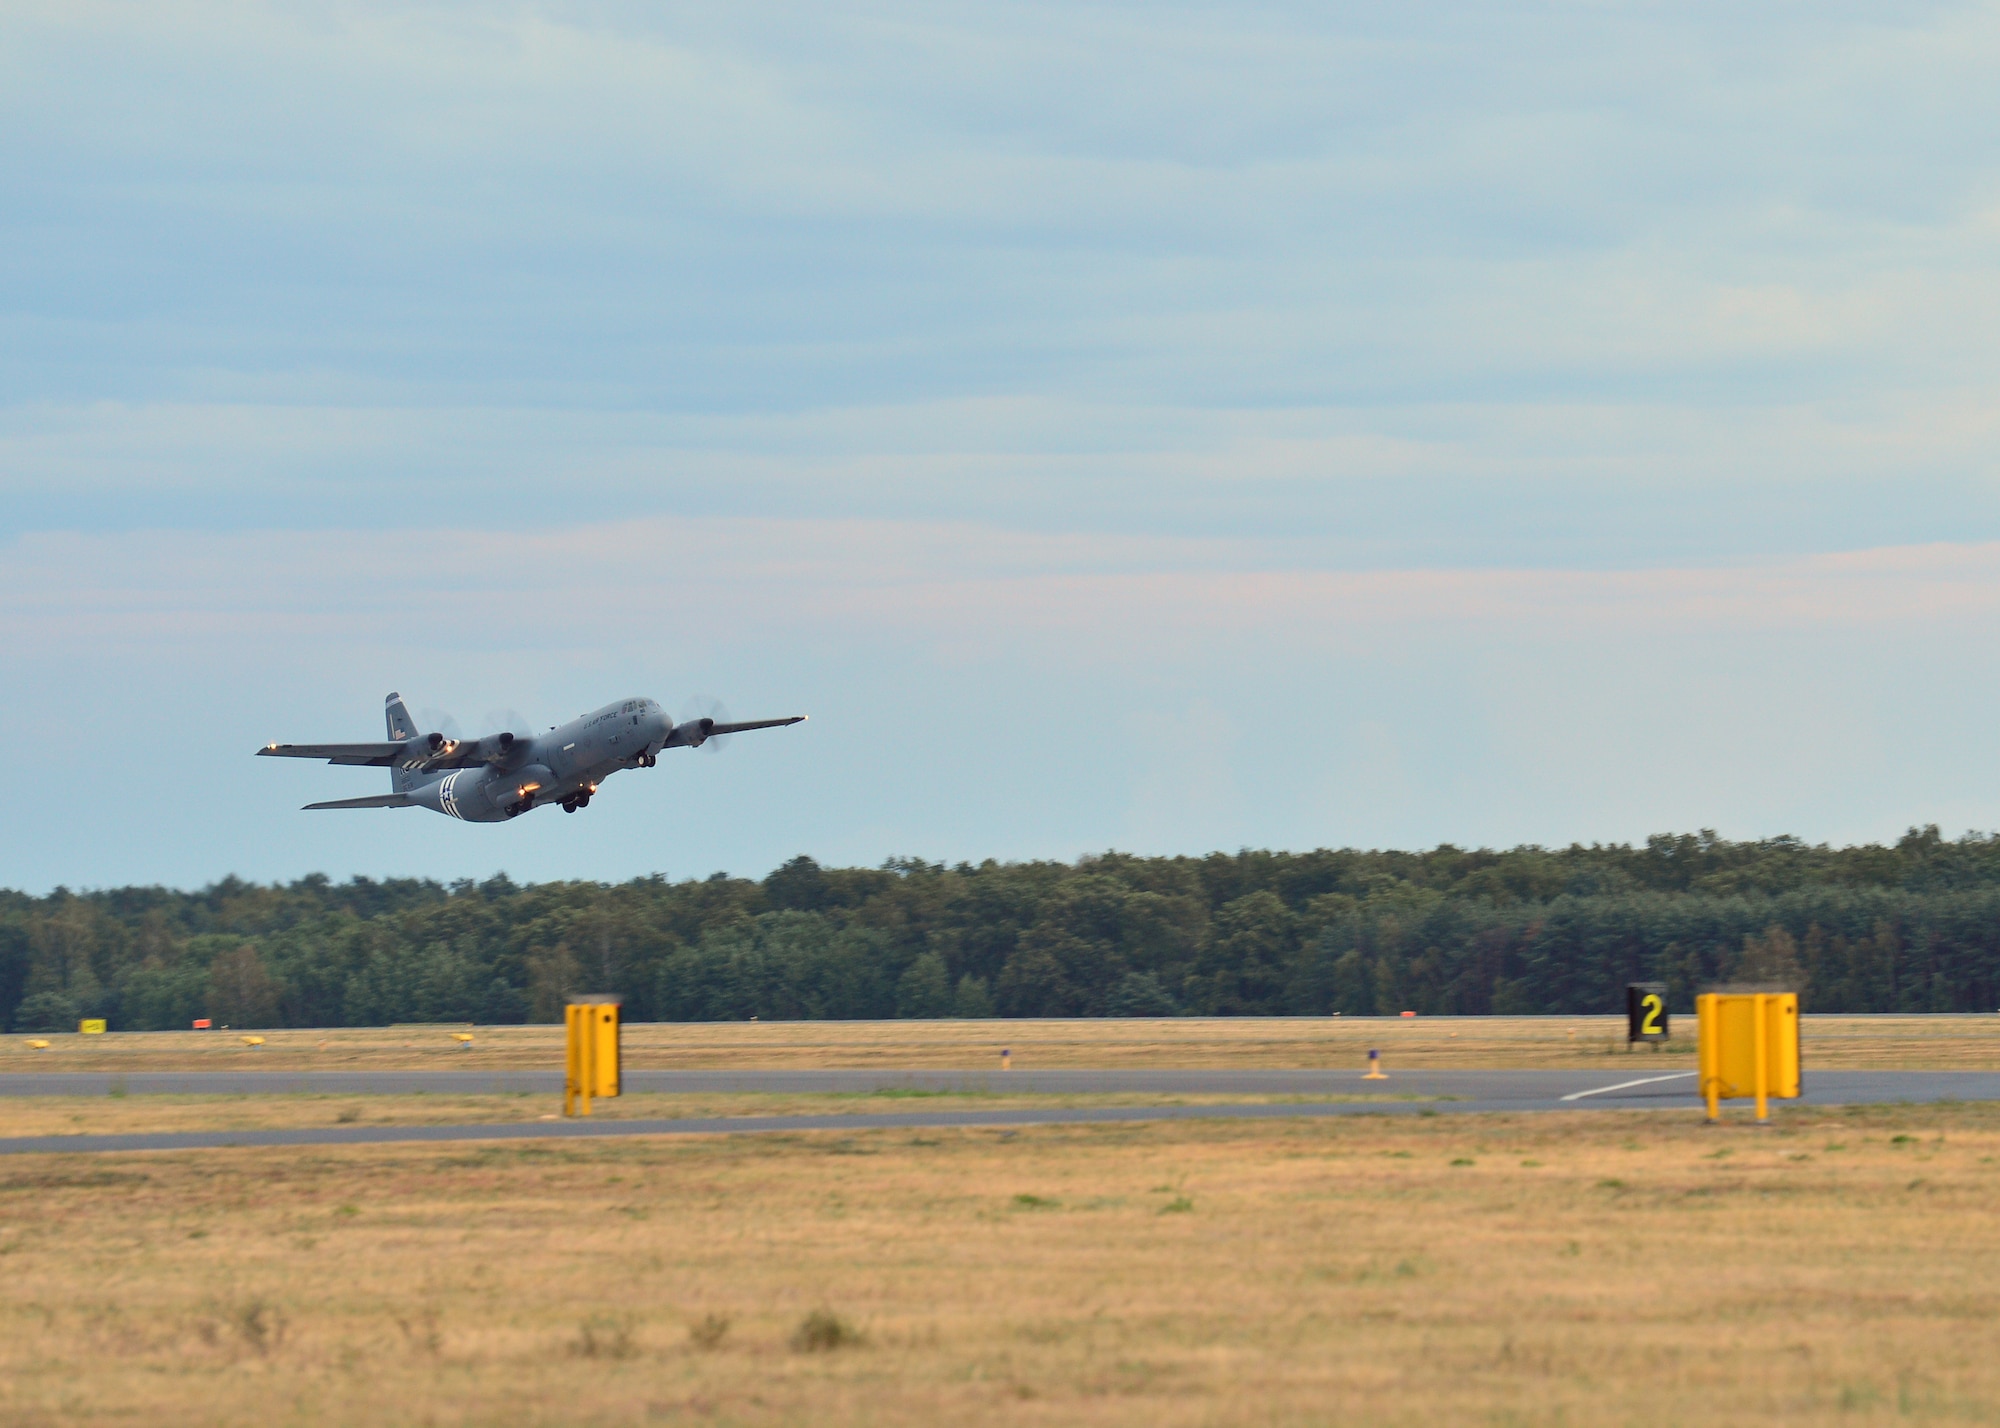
x=401 y=726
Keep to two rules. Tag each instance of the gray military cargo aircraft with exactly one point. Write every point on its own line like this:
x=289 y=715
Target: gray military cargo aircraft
x=504 y=775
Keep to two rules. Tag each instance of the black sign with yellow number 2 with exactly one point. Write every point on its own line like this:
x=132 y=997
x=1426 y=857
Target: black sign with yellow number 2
x=1645 y=1011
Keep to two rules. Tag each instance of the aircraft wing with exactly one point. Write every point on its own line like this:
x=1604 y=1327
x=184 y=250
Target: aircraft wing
x=373 y=755
x=378 y=800
x=414 y=753
x=756 y=724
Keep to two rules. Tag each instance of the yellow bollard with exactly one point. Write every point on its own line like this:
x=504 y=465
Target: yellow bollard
x=1747 y=1046
x=1375 y=1072
x=591 y=1045
x=1758 y=1059
x=576 y=1053
x=1006 y=1059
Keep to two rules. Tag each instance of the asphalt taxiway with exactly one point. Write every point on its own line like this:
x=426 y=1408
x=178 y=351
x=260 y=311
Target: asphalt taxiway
x=1404 y=1093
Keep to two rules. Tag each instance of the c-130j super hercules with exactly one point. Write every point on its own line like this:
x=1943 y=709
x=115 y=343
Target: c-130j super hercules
x=504 y=775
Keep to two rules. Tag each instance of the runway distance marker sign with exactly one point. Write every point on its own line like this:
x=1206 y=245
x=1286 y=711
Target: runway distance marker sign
x=1646 y=1011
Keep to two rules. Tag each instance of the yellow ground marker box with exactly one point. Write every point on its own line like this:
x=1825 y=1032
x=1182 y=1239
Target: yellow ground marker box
x=1749 y=1046
x=91 y=1026
x=591 y=1042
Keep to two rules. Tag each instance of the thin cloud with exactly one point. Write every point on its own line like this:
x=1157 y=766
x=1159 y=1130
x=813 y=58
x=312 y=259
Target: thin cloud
x=761 y=578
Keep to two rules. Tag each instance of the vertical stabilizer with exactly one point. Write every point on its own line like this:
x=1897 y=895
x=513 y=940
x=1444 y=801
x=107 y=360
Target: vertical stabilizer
x=401 y=726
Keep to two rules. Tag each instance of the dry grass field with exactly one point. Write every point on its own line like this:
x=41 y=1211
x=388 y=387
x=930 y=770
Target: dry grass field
x=1584 y=1268
x=1590 y=1268
x=1832 y=1042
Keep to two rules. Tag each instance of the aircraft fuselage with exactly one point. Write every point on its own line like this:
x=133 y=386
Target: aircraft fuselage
x=564 y=765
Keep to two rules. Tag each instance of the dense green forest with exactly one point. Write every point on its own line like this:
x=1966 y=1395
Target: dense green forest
x=1914 y=927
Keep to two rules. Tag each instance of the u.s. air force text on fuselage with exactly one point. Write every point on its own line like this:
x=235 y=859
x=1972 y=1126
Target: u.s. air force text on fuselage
x=504 y=775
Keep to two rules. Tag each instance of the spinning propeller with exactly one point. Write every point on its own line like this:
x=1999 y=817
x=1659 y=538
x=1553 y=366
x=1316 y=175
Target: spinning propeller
x=705 y=723
x=705 y=711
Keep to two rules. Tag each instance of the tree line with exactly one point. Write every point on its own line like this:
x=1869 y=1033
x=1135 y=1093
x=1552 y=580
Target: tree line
x=1909 y=927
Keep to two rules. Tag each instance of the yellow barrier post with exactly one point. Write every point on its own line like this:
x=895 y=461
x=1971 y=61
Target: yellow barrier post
x=576 y=1071
x=591 y=1068
x=1748 y=1047
x=1375 y=1072
x=1759 y=1044
x=1704 y=1046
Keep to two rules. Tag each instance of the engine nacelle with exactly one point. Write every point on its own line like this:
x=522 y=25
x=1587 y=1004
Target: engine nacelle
x=493 y=749
x=691 y=735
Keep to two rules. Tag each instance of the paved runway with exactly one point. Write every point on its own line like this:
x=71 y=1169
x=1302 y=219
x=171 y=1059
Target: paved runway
x=1454 y=1091
x=1481 y=1085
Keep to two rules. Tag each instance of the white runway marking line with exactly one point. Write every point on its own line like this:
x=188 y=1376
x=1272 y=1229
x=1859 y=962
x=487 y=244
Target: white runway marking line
x=1628 y=1085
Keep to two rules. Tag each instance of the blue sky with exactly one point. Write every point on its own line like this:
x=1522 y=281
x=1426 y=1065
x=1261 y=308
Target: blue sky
x=1158 y=427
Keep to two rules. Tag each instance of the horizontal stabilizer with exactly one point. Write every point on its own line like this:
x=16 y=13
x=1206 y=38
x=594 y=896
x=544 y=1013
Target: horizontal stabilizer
x=379 y=800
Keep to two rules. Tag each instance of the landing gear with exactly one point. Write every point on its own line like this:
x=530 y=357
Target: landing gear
x=575 y=801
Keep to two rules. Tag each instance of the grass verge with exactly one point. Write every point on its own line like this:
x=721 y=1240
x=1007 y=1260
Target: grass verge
x=1600 y=1267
